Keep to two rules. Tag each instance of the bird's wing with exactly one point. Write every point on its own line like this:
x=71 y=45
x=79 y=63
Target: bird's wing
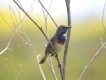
x=49 y=47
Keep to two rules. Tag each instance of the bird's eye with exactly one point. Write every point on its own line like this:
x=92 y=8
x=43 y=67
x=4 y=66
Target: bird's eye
x=63 y=27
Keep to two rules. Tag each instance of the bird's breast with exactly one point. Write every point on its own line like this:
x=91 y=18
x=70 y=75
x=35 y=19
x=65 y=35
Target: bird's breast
x=59 y=45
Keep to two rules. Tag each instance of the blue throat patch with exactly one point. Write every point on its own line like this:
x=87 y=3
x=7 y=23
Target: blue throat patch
x=61 y=38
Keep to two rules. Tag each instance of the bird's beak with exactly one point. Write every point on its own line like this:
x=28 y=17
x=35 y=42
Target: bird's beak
x=68 y=27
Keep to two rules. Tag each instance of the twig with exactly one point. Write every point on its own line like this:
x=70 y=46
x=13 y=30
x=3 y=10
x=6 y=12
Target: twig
x=10 y=67
x=100 y=49
x=52 y=45
x=52 y=69
x=50 y=59
x=40 y=68
x=12 y=11
x=48 y=13
x=20 y=4
x=45 y=17
x=37 y=56
x=103 y=16
x=32 y=47
x=59 y=65
x=19 y=75
x=102 y=42
x=40 y=28
x=15 y=31
x=45 y=23
x=68 y=38
x=5 y=20
x=9 y=41
x=95 y=56
x=48 y=9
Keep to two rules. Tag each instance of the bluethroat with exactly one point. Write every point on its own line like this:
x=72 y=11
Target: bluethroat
x=58 y=41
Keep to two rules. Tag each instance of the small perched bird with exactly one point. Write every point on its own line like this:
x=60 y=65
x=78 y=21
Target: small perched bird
x=58 y=41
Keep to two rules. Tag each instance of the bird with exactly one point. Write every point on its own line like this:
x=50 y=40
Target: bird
x=56 y=43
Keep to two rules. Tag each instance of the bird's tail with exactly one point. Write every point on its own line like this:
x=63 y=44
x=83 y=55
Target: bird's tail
x=44 y=58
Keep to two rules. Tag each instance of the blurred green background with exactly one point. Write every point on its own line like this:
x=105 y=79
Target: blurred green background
x=84 y=43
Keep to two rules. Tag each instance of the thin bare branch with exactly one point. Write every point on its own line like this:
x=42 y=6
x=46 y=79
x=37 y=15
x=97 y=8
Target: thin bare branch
x=32 y=20
x=45 y=17
x=20 y=4
x=41 y=69
x=27 y=15
x=37 y=56
x=52 y=69
x=19 y=75
x=40 y=28
x=59 y=65
x=9 y=41
x=101 y=49
x=15 y=31
x=68 y=38
x=102 y=42
x=103 y=16
x=45 y=23
x=47 y=34
x=33 y=49
x=5 y=20
x=9 y=67
x=49 y=9
x=48 y=13
x=12 y=11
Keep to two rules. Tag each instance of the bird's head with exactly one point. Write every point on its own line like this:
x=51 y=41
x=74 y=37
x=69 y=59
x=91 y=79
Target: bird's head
x=62 y=30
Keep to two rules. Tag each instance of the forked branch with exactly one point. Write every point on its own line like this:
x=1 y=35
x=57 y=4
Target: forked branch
x=101 y=49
